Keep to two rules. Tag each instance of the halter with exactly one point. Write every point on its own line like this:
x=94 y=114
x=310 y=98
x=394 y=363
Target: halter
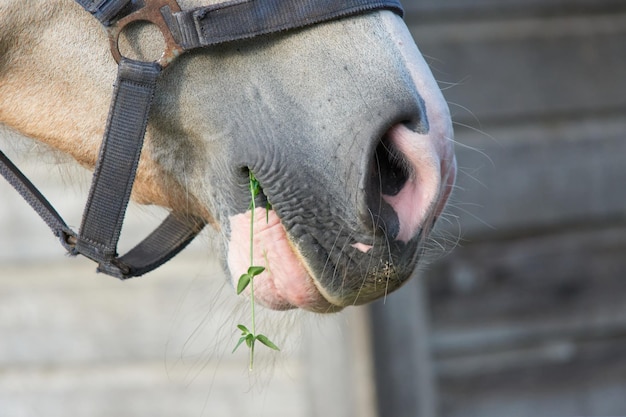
x=134 y=89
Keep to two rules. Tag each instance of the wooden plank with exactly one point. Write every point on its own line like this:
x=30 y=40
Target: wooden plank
x=507 y=70
x=77 y=343
x=525 y=178
x=571 y=276
x=593 y=389
x=533 y=325
x=559 y=350
x=342 y=343
x=404 y=376
x=141 y=389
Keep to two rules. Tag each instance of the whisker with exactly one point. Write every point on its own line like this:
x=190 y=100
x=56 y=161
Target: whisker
x=462 y=107
x=457 y=206
x=475 y=129
x=474 y=178
x=332 y=248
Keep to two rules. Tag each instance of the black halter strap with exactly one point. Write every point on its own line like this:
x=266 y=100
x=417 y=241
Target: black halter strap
x=115 y=170
x=111 y=187
x=236 y=20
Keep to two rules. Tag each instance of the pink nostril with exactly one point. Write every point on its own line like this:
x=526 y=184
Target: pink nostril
x=404 y=182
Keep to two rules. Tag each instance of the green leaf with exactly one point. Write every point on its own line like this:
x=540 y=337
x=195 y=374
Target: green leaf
x=243 y=282
x=263 y=339
x=253 y=271
x=241 y=340
x=244 y=329
x=255 y=187
x=249 y=340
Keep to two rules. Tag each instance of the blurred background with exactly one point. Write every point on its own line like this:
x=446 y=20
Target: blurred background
x=521 y=312
x=526 y=315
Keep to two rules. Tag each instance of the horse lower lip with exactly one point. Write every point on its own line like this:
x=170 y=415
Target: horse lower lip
x=285 y=283
x=357 y=274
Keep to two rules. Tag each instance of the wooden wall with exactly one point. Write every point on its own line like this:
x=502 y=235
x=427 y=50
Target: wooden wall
x=527 y=315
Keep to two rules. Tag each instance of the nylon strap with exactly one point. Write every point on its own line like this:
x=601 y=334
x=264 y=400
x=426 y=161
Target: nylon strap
x=104 y=10
x=245 y=19
x=112 y=184
x=37 y=201
x=114 y=174
x=113 y=180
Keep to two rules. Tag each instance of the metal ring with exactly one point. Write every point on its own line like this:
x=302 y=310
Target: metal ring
x=152 y=13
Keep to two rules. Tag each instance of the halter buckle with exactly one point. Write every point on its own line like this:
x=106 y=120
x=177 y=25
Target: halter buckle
x=157 y=13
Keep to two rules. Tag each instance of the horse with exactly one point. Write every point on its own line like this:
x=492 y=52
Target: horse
x=341 y=123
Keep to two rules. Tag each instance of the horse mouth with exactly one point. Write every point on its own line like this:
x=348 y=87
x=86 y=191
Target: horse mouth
x=308 y=274
x=322 y=250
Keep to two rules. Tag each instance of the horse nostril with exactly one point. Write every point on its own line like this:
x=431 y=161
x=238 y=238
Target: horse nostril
x=388 y=174
x=392 y=169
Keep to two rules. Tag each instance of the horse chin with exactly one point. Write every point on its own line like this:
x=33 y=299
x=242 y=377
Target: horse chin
x=286 y=282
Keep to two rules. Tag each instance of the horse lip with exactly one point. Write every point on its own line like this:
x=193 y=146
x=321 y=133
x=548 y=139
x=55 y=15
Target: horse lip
x=313 y=279
x=364 y=259
x=374 y=270
x=287 y=281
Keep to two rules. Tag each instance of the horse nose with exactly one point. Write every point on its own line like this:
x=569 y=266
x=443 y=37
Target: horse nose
x=404 y=177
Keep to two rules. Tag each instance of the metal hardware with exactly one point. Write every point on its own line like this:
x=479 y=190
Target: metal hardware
x=152 y=12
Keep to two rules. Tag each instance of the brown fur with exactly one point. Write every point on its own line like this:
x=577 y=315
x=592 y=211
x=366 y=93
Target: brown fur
x=68 y=111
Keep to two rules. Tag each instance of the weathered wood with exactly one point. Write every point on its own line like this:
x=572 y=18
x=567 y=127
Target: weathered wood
x=344 y=345
x=528 y=347
x=507 y=70
x=527 y=313
x=140 y=389
x=537 y=96
x=551 y=280
x=593 y=389
x=404 y=378
x=76 y=343
x=525 y=178
x=531 y=323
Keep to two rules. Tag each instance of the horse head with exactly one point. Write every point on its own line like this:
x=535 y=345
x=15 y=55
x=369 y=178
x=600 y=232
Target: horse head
x=342 y=123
